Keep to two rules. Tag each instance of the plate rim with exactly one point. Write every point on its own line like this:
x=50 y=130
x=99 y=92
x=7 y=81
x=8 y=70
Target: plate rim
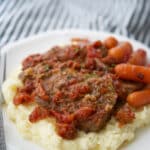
x=35 y=37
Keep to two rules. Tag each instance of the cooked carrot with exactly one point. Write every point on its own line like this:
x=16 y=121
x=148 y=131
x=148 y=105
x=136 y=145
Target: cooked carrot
x=80 y=41
x=119 y=54
x=133 y=72
x=138 y=57
x=139 y=98
x=110 y=42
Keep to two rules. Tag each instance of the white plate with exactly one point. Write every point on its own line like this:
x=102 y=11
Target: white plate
x=40 y=43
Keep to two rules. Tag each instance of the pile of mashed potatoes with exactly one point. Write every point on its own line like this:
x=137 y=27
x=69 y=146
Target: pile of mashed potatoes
x=43 y=132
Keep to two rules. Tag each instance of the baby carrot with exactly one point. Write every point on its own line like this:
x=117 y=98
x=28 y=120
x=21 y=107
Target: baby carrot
x=119 y=54
x=110 y=42
x=138 y=57
x=133 y=72
x=139 y=98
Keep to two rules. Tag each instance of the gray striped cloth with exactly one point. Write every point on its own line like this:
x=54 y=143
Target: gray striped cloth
x=22 y=18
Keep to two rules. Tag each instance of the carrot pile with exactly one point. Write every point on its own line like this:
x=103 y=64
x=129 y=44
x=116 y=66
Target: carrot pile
x=130 y=66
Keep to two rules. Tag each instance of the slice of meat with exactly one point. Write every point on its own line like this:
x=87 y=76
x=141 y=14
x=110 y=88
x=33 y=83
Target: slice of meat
x=91 y=99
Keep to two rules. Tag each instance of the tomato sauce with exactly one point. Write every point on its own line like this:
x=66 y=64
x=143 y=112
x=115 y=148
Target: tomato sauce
x=77 y=86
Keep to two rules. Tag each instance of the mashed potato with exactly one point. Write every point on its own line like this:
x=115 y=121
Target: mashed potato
x=43 y=132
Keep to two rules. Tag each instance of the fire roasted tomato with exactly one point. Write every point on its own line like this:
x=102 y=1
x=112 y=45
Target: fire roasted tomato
x=22 y=98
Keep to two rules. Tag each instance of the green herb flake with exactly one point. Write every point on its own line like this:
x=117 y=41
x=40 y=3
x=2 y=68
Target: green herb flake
x=76 y=49
x=62 y=68
x=110 y=87
x=113 y=65
x=46 y=67
x=90 y=75
x=82 y=65
x=69 y=77
x=106 y=68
